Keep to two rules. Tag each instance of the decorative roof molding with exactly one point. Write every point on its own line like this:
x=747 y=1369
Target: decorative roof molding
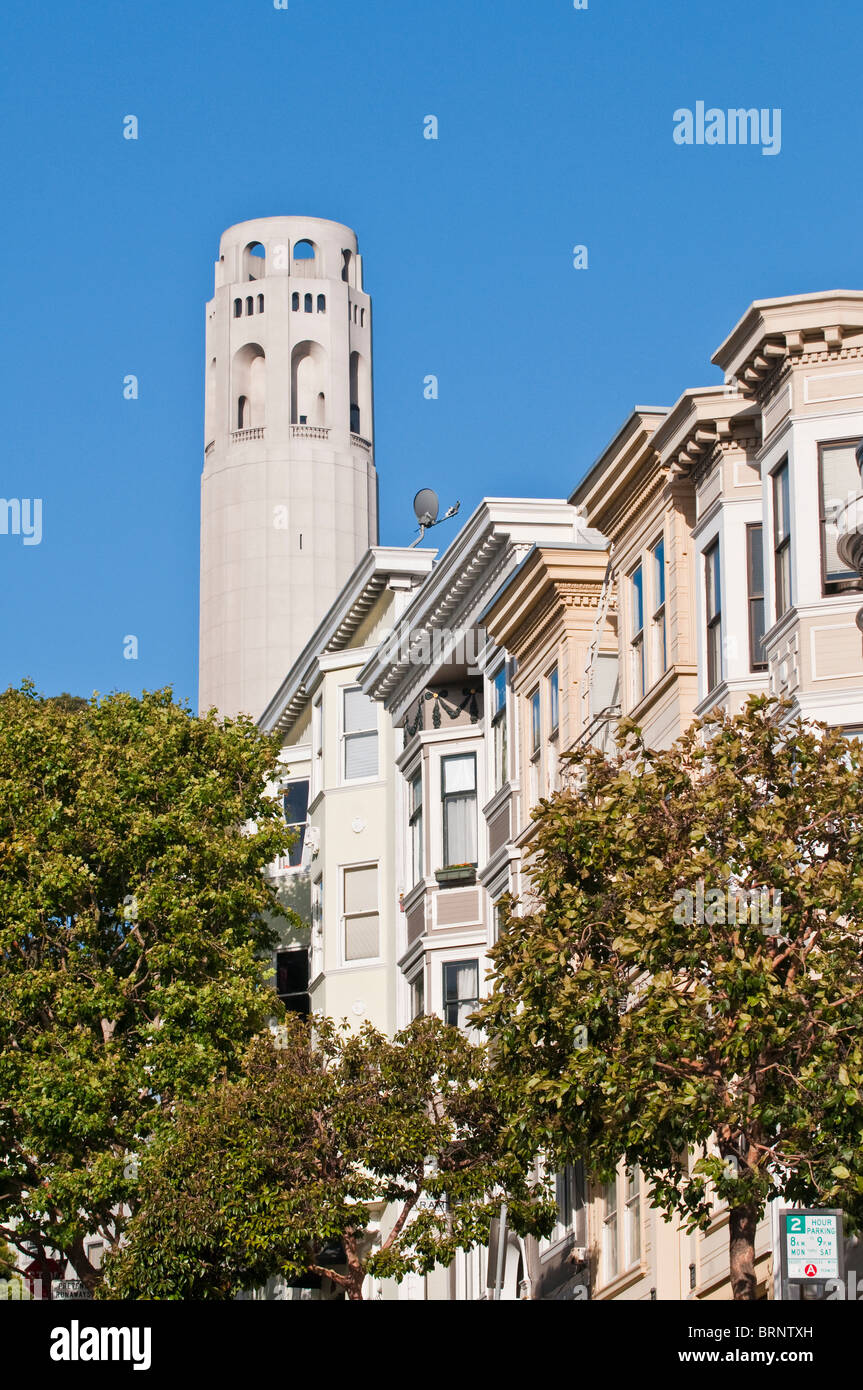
x=795 y=328
x=494 y=539
x=334 y=633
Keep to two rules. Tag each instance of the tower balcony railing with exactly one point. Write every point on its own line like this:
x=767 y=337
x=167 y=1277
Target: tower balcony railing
x=310 y=432
x=255 y=432
x=360 y=443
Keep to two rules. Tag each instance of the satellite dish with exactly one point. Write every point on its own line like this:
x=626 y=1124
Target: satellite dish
x=426 y=506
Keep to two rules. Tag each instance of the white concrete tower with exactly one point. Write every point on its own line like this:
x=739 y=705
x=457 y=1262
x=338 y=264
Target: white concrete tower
x=289 y=489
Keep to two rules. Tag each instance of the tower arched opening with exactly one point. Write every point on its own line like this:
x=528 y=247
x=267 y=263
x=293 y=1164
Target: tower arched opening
x=308 y=384
x=254 y=261
x=361 y=396
x=249 y=386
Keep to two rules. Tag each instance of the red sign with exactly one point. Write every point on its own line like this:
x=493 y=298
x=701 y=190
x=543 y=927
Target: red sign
x=810 y=1271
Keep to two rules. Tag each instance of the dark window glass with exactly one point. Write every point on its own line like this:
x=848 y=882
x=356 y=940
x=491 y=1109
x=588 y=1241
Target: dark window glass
x=755 y=591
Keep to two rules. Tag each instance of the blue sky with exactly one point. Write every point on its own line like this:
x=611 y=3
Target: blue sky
x=555 y=129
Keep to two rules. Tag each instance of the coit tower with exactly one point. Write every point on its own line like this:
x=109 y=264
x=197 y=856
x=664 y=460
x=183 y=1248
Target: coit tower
x=289 y=489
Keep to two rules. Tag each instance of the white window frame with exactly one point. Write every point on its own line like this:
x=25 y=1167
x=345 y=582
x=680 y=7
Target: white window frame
x=610 y=1232
x=413 y=878
x=659 y=610
x=358 y=961
x=456 y=751
x=317 y=763
x=638 y=669
x=632 y=1218
x=344 y=780
x=499 y=718
x=316 y=962
x=302 y=826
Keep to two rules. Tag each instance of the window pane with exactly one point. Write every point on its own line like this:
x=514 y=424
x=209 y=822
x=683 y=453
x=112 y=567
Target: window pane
x=292 y=972
x=755 y=586
x=459 y=829
x=461 y=980
x=659 y=575
x=839 y=484
x=781 y=509
x=554 y=697
x=500 y=690
x=535 y=721
x=637 y=601
x=460 y=991
x=459 y=773
x=361 y=937
x=755 y=559
x=361 y=756
x=713 y=581
x=361 y=889
x=296 y=802
x=360 y=712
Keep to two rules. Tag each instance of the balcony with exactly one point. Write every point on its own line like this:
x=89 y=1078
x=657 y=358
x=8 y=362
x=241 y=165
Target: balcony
x=243 y=436
x=310 y=432
x=360 y=443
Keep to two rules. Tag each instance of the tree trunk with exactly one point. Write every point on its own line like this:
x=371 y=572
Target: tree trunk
x=742 y=1252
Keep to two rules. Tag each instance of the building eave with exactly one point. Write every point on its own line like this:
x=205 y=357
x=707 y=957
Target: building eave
x=378 y=567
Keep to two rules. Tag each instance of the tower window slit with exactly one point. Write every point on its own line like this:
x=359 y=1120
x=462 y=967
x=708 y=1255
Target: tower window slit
x=322 y=303
x=260 y=303
x=238 y=308
x=295 y=300
x=307 y=305
x=250 y=305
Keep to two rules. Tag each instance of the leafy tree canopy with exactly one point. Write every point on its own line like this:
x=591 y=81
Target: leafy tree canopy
x=133 y=914
x=322 y=1136
x=642 y=1006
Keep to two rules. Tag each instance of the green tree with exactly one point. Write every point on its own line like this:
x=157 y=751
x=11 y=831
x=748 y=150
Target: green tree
x=644 y=1009
x=133 y=915
x=324 y=1131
